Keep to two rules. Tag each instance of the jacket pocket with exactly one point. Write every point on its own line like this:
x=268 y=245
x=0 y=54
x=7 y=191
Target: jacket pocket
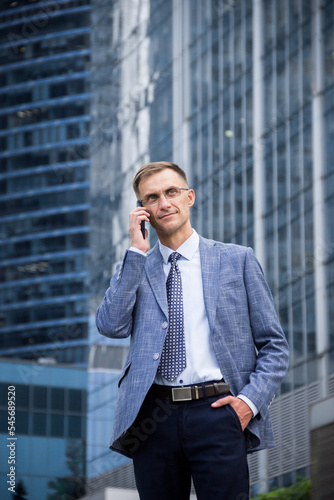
x=124 y=373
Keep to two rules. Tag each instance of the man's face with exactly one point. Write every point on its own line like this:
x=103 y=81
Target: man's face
x=168 y=216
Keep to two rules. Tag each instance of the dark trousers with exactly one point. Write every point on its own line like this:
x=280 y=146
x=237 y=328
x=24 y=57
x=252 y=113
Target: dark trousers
x=172 y=442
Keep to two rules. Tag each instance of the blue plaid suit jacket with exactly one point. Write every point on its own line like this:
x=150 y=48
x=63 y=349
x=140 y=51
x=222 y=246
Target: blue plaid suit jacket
x=246 y=334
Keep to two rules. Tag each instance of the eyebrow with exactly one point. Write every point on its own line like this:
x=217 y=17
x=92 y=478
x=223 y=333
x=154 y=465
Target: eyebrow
x=159 y=192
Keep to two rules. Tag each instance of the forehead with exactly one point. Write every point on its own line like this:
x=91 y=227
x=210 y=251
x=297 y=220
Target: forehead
x=160 y=181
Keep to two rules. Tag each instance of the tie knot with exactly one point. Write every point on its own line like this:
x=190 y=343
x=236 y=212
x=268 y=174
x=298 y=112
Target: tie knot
x=174 y=257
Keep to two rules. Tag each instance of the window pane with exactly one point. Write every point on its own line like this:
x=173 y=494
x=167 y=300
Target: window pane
x=57 y=425
x=57 y=399
x=3 y=421
x=22 y=396
x=39 y=424
x=74 y=400
x=39 y=397
x=22 y=422
x=74 y=427
x=3 y=394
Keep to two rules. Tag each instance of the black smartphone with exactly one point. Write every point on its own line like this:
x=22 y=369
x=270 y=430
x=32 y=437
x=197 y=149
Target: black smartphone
x=142 y=224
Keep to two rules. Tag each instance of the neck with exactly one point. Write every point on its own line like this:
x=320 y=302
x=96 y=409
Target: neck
x=175 y=240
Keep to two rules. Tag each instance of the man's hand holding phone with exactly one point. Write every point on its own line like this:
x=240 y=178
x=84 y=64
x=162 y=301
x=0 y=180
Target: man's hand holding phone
x=136 y=218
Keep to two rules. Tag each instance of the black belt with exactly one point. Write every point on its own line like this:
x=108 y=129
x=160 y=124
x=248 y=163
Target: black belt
x=190 y=392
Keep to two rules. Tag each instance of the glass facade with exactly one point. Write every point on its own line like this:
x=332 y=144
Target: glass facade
x=102 y=395
x=48 y=427
x=44 y=186
x=328 y=117
x=46 y=411
x=288 y=162
x=221 y=162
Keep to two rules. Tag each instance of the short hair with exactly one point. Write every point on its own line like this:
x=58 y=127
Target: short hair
x=154 y=168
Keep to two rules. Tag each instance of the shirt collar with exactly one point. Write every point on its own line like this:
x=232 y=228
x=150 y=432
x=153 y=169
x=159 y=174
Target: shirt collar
x=187 y=249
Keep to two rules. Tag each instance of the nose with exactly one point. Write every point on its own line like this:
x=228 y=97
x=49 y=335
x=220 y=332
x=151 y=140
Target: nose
x=163 y=201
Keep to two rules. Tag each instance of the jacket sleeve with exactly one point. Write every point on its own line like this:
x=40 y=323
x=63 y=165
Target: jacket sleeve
x=114 y=315
x=269 y=339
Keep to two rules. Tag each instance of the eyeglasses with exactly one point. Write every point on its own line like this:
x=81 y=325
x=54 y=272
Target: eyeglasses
x=170 y=193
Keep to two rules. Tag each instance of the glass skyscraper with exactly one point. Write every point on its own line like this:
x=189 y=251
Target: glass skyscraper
x=44 y=189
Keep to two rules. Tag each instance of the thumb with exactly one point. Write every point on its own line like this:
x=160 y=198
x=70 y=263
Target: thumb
x=227 y=400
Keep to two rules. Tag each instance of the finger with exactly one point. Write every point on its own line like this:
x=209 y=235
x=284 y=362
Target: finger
x=143 y=216
x=140 y=209
x=227 y=400
x=136 y=218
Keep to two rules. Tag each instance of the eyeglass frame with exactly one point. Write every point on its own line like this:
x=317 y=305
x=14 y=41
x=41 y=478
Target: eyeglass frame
x=164 y=193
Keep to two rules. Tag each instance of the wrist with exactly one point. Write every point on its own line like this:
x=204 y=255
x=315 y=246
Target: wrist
x=137 y=250
x=249 y=403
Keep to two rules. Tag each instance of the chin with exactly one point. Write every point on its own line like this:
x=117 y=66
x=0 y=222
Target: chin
x=169 y=229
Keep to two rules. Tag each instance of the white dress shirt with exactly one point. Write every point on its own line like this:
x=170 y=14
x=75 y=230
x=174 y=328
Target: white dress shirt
x=202 y=365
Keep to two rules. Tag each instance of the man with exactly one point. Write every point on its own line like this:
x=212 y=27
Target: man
x=207 y=350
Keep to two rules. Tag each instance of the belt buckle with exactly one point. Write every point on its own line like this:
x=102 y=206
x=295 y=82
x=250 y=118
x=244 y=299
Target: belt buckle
x=181 y=394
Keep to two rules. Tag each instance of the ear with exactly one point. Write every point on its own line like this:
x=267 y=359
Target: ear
x=191 y=197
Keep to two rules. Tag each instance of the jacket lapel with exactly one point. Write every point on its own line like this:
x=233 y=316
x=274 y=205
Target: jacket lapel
x=210 y=263
x=156 y=277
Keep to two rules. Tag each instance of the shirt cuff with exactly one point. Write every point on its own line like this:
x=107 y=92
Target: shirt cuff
x=249 y=403
x=134 y=249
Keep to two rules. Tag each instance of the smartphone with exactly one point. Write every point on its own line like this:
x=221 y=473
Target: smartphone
x=142 y=224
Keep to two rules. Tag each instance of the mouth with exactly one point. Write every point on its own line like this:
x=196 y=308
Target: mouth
x=166 y=216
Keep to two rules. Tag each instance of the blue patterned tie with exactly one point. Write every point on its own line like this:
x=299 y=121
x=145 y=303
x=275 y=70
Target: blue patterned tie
x=173 y=356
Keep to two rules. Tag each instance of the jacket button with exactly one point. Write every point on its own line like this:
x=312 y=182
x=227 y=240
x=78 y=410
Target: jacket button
x=164 y=325
x=156 y=356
